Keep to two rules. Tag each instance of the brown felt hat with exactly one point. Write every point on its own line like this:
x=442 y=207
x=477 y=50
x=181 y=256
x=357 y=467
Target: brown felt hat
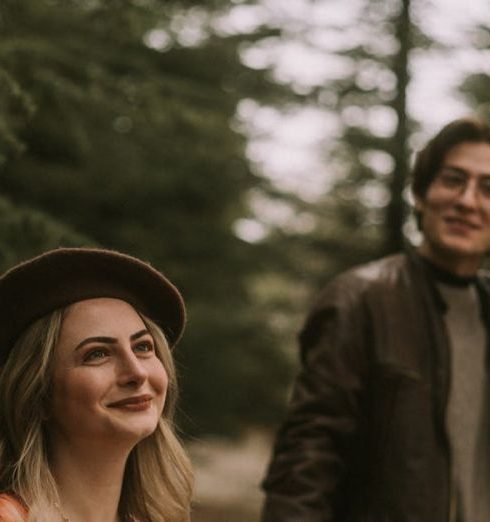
x=57 y=278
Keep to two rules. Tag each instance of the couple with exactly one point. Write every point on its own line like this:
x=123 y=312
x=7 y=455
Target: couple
x=389 y=415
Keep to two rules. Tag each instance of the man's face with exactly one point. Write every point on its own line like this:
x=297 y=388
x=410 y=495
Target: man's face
x=456 y=210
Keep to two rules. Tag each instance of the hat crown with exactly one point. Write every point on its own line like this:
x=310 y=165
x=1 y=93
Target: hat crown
x=58 y=278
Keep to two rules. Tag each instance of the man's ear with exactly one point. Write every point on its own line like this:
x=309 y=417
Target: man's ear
x=418 y=203
x=418 y=210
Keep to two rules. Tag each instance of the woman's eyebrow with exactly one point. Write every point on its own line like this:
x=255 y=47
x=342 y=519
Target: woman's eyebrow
x=98 y=339
x=110 y=340
x=139 y=334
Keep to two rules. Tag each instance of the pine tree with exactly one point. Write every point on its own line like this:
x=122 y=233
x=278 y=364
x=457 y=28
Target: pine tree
x=129 y=146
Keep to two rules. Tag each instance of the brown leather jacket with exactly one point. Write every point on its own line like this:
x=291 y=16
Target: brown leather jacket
x=365 y=438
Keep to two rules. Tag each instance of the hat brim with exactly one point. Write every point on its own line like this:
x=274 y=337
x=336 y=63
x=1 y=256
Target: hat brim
x=64 y=276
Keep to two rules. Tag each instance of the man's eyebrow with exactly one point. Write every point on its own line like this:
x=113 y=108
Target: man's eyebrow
x=456 y=169
x=110 y=340
x=460 y=170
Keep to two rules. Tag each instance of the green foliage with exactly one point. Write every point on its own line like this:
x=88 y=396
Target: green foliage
x=132 y=148
x=25 y=233
x=17 y=106
x=361 y=214
x=476 y=89
x=377 y=84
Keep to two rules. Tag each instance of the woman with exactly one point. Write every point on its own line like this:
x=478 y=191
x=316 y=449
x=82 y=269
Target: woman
x=87 y=391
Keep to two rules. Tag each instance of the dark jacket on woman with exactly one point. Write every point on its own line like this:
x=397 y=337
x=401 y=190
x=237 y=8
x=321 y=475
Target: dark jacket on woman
x=365 y=439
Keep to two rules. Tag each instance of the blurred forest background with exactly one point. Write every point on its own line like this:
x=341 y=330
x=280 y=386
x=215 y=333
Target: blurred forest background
x=147 y=126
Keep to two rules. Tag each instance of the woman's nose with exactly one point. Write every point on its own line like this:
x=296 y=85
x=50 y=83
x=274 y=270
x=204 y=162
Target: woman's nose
x=131 y=371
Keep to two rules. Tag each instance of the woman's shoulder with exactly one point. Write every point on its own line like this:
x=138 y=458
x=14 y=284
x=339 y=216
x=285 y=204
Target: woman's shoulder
x=11 y=509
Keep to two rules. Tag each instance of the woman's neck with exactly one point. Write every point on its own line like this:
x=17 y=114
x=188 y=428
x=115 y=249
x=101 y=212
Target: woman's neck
x=89 y=482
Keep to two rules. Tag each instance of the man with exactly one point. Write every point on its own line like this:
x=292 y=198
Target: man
x=389 y=416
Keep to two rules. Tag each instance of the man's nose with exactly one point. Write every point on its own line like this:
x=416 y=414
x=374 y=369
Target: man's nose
x=469 y=195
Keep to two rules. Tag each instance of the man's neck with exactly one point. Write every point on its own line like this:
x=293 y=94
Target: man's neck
x=448 y=278
x=459 y=266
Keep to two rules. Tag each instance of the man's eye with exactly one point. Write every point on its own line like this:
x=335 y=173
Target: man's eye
x=484 y=187
x=452 y=179
x=95 y=355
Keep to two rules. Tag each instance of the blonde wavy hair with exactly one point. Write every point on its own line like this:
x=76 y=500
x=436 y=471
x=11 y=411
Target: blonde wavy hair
x=157 y=483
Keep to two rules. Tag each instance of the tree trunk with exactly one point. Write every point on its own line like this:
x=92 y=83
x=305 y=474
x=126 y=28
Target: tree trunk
x=396 y=210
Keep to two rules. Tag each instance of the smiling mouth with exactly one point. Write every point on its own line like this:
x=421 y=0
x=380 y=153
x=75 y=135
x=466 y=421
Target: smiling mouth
x=133 y=403
x=461 y=223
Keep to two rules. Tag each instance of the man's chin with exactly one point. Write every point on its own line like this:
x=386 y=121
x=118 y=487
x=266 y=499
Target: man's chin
x=462 y=248
x=459 y=250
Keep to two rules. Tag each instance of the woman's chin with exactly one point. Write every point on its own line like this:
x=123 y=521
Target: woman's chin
x=132 y=432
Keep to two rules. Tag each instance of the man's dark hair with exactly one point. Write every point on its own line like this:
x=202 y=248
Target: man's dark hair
x=429 y=159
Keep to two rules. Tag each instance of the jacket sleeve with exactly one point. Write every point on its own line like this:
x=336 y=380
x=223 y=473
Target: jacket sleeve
x=311 y=454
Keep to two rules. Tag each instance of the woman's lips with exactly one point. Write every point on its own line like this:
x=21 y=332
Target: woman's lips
x=139 y=403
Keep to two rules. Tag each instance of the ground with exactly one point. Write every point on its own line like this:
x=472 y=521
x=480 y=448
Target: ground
x=228 y=476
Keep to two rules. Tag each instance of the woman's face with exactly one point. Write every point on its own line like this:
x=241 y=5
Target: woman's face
x=108 y=383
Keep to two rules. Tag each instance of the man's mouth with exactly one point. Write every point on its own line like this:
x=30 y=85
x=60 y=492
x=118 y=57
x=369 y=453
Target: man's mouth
x=460 y=223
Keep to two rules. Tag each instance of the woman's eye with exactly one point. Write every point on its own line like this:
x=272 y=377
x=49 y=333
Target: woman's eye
x=95 y=355
x=145 y=347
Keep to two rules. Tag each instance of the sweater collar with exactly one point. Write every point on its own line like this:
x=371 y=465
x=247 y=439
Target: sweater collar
x=448 y=278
